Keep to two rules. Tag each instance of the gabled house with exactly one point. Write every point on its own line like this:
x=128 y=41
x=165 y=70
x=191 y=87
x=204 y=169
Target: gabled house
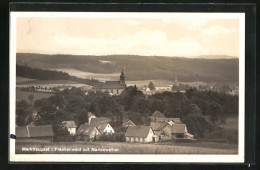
x=162 y=130
x=87 y=132
x=128 y=123
x=42 y=133
x=71 y=126
x=142 y=134
x=103 y=127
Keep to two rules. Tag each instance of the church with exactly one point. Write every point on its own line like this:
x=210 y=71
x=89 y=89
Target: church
x=112 y=87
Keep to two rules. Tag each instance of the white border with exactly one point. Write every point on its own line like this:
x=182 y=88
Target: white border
x=127 y=157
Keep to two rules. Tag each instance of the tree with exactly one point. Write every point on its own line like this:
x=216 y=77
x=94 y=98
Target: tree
x=197 y=125
x=31 y=97
x=81 y=117
x=23 y=113
x=151 y=86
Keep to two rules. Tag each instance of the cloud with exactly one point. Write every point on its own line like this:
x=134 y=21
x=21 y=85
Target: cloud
x=143 y=42
x=216 y=30
x=131 y=22
x=188 y=23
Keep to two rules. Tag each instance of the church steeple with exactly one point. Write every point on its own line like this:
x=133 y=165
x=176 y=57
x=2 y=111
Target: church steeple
x=122 y=77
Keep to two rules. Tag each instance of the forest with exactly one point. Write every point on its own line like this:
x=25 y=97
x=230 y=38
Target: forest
x=141 y=67
x=43 y=74
x=191 y=107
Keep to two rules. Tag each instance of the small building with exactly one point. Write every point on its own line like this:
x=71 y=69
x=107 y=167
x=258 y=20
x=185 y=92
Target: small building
x=142 y=134
x=87 y=132
x=71 y=126
x=178 y=131
x=112 y=87
x=128 y=123
x=103 y=127
x=162 y=130
x=42 y=133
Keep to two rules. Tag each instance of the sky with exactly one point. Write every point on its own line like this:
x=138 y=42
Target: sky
x=154 y=36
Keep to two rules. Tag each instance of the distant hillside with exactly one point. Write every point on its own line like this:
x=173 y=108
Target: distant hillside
x=141 y=67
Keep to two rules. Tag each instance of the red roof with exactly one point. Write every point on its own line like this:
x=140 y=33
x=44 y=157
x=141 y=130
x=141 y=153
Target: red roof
x=137 y=131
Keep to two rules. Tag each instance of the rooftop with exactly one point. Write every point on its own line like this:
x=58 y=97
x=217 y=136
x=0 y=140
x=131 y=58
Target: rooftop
x=34 y=131
x=138 y=131
x=69 y=124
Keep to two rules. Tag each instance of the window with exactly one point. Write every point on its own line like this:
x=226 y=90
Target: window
x=117 y=91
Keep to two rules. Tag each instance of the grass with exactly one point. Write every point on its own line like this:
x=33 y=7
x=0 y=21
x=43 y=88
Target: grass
x=126 y=148
x=23 y=95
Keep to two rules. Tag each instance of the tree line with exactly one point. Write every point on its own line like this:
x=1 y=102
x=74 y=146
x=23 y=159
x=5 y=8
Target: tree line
x=191 y=107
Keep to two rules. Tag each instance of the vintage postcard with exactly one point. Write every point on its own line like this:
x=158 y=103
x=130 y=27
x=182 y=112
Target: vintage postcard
x=127 y=87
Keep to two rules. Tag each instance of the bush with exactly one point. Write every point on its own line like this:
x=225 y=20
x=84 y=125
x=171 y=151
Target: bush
x=115 y=137
x=230 y=136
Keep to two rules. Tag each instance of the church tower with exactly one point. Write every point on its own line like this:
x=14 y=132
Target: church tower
x=122 y=77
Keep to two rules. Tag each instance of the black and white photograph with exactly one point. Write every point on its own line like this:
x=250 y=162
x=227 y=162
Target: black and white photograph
x=127 y=87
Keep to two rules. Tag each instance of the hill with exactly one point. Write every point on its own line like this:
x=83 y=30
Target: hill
x=141 y=67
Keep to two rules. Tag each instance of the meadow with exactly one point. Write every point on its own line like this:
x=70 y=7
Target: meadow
x=23 y=95
x=82 y=147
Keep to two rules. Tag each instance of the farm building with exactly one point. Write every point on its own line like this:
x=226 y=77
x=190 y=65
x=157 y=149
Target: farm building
x=103 y=127
x=142 y=134
x=128 y=123
x=90 y=116
x=71 y=126
x=112 y=87
x=162 y=130
x=42 y=133
x=87 y=132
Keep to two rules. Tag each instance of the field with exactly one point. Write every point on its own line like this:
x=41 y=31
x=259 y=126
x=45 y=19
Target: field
x=81 y=147
x=23 y=95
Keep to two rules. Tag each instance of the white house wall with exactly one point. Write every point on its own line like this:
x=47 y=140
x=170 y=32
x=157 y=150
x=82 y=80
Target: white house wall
x=109 y=129
x=72 y=131
x=150 y=136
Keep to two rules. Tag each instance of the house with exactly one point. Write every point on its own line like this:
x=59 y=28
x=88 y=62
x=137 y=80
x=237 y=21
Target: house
x=90 y=116
x=178 y=131
x=87 y=132
x=71 y=126
x=100 y=120
x=103 y=127
x=42 y=133
x=112 y=87
x=162 y=130
x=128 y=123
x=142 y=134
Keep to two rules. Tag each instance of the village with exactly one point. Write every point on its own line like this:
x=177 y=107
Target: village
x=160 y=129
